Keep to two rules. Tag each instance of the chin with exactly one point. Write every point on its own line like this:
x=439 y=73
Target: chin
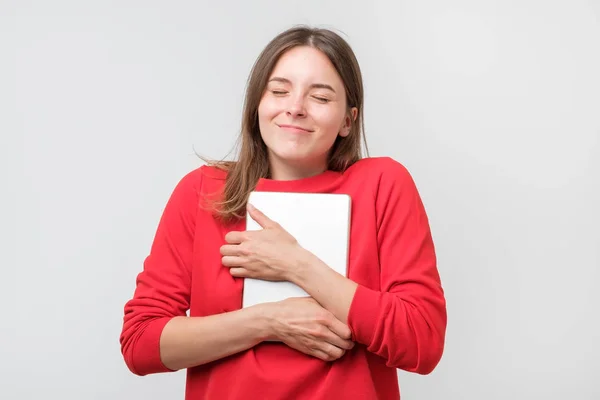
x=302 y=154
x=299 y=158
x=293 y=157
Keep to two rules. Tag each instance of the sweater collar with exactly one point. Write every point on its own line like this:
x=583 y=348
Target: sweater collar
x=320 y=183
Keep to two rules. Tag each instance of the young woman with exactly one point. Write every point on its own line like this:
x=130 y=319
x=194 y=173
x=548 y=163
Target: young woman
x=301 y=132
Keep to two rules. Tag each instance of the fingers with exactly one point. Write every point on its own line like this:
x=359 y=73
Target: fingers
x=259 y=217
x=334 y=331
x=239 y=272
x=236 y=237
x=328 y=340
x=233 y=261
x=232 y=250
x=320 y=354
x=326 y=318
x=338 y=327
x=335 y=340
x=328 y=352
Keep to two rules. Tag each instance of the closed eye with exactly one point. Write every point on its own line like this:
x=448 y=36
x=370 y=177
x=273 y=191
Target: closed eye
x=322 y=99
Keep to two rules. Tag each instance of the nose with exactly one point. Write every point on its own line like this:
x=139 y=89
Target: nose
x=296 y=107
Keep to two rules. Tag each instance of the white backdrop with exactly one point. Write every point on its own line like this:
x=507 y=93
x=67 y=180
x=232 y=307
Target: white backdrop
x=494 y=106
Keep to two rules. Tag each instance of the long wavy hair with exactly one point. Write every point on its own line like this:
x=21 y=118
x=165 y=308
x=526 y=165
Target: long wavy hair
x=252 y=161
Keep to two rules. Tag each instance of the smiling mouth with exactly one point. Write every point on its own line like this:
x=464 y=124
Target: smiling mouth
x=294 y=129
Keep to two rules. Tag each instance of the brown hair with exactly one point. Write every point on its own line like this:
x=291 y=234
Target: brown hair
x=252 y=161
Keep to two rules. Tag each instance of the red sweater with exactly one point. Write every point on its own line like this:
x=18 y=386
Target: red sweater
x=397 y=316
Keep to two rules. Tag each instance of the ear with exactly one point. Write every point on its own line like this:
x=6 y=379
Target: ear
x=351 y=117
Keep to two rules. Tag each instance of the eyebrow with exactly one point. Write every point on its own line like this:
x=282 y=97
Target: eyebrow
x=313 y=86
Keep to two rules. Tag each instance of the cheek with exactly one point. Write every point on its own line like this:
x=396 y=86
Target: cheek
x=268 y=109
x=330 y=121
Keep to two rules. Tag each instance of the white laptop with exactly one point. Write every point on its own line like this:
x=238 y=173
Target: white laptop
x=321 y=224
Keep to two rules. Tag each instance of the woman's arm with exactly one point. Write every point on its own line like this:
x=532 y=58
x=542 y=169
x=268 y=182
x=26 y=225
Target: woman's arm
x=300 y=323
x=332 y=290
x=162 y=292
x=404 y=321
x=157 y=336
x=190 y=341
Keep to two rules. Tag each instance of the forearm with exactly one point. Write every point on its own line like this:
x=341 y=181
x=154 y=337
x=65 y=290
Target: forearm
x=191 y=341
x=333 y=291
x=380 y=318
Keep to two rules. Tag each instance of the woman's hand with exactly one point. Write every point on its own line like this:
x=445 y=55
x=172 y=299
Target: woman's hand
x=268 y=254
x=302 y=324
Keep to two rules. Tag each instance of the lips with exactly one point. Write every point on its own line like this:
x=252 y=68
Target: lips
x=294 y=128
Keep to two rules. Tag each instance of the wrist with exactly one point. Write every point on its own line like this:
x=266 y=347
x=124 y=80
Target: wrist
x=302 y=267
x=264 y=315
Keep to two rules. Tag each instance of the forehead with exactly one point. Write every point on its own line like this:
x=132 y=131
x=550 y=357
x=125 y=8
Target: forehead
x=304 y=64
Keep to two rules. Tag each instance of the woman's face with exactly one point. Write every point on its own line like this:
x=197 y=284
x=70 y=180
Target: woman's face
x=301 y=113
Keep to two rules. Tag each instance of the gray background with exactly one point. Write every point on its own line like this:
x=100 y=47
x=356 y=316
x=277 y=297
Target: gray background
x=492 y=105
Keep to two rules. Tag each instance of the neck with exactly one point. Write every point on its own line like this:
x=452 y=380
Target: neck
x=287 y=171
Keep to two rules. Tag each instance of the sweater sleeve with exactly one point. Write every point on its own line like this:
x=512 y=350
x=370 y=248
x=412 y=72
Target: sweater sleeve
x=163 y=286
x=405 y=321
